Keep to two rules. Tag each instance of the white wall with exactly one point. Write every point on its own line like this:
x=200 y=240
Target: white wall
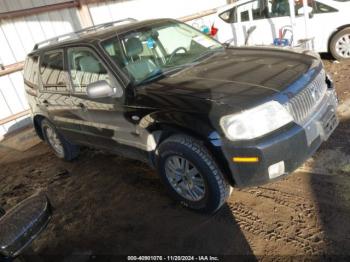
x=147 y=9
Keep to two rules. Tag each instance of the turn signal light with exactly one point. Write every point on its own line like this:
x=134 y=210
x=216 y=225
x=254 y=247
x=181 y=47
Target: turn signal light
x=239 y=159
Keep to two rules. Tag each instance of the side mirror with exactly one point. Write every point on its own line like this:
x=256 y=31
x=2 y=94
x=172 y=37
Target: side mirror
x=101 y=89
x=22 y=224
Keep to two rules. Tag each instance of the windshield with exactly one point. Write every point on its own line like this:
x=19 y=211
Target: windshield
x=155 y=50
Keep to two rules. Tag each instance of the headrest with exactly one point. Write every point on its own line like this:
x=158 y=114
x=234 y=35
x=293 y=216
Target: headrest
x=89 y=64
x=133 y=47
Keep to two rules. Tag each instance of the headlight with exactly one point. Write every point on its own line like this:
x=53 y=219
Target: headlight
x=255 y=122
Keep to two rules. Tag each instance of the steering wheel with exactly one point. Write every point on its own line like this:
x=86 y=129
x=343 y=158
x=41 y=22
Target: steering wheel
x=174 y=53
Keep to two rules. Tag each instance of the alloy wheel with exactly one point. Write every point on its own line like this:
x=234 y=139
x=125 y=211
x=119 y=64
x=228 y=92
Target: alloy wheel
x=54 y=141
x=185 y=178
x=342 y=46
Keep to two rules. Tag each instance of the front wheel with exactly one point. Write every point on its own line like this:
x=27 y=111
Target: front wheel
x=191 y=175
x=340 y=44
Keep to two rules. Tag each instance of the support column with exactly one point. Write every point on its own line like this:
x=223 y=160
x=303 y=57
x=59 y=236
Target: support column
x=84 y=14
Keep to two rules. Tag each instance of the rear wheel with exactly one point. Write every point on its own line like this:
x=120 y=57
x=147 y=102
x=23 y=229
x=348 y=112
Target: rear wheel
x=340 y=45
x=61 y=147
x=2 y=212
x=191 y=175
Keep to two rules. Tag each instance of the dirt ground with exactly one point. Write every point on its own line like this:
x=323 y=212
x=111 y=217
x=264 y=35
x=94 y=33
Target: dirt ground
x=105 y=204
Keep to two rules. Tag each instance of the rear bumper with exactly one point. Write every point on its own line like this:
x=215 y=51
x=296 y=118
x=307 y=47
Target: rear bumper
x=293 y=145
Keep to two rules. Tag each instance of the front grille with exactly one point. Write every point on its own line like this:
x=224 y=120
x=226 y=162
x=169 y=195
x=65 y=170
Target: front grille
x=304 y=103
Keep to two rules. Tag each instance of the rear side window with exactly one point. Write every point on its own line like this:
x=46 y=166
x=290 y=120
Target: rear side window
x=229 y=16
x=322 y=8
x=31 y=71
x=53 y=76
x=245 y=16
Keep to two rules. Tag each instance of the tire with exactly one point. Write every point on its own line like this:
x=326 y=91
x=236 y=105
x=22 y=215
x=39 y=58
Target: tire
x=342 y=38
x=2 y=212
x=215 y=187
x=67 y=150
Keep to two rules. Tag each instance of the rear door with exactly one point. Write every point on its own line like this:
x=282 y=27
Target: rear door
x=268 y=20
x=54 y=95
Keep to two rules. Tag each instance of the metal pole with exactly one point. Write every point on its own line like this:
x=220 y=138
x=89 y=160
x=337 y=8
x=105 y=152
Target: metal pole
x=306 y=19
x=292 y=17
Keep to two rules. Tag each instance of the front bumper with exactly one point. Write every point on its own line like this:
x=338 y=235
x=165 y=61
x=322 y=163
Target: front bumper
x=293 y=145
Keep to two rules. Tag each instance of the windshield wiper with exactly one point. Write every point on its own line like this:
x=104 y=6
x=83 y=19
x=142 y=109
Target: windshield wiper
x=159 y=73
x=152 y=76
x=206 y=53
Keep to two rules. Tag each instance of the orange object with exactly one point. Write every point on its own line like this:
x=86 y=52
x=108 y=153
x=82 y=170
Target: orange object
x=245 y=159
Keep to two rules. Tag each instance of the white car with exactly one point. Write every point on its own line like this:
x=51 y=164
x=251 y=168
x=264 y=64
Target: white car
x=267 y=22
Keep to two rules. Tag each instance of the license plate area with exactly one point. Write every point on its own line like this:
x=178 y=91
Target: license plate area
x=329 y=122
x=322 y=127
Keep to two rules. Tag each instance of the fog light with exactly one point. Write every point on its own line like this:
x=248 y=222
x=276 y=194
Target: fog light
x=276 y=170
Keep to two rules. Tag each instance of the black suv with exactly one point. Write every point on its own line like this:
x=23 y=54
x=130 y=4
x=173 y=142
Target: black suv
x=205 y=115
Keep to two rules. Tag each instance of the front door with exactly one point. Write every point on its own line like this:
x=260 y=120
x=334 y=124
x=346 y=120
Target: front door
x=102 y=120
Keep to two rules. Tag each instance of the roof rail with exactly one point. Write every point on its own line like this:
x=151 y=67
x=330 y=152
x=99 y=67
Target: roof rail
x=76 y=34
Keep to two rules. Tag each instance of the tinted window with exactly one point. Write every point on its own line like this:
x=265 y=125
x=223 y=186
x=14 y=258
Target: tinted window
x=279 y=8
x=245 y=16
x=322 y=8
x=229 y=16
x=114 y=50
x=31 y=69
x=85 y=68
x=53 y=76
x=259 y=14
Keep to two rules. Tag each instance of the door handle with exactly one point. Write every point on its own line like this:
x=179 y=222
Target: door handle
x=82 y=106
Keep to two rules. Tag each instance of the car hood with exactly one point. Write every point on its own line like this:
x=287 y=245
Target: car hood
x=237 y=76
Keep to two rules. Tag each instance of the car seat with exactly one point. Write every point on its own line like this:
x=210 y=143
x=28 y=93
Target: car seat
x=139 y=67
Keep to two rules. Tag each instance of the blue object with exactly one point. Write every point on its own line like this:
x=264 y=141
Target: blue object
x=281 y=42
x=205 y=29
x=150 y=43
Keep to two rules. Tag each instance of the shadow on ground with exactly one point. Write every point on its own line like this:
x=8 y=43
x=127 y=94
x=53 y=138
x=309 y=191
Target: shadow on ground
x=331 y=191
x=109 y=205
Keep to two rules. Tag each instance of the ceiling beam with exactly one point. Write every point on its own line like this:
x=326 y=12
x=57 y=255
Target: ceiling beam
x=11 y=68
x=84 y=13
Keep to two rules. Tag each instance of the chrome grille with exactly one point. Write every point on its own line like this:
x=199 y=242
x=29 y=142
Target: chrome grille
x=303 y=104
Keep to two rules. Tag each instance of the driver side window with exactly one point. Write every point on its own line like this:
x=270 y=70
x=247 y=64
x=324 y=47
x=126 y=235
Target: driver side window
x=85 y=68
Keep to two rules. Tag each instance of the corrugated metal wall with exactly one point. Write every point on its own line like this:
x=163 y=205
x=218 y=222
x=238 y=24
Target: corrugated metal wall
x=146 y=9
x=18 y=36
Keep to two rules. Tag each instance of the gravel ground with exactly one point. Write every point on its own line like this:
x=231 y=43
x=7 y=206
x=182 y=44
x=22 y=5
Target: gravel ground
x=105 y=204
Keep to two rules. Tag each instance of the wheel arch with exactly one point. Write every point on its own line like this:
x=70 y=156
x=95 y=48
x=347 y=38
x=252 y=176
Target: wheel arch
x=162 y=131
x=37 y=119
x=334 y=33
